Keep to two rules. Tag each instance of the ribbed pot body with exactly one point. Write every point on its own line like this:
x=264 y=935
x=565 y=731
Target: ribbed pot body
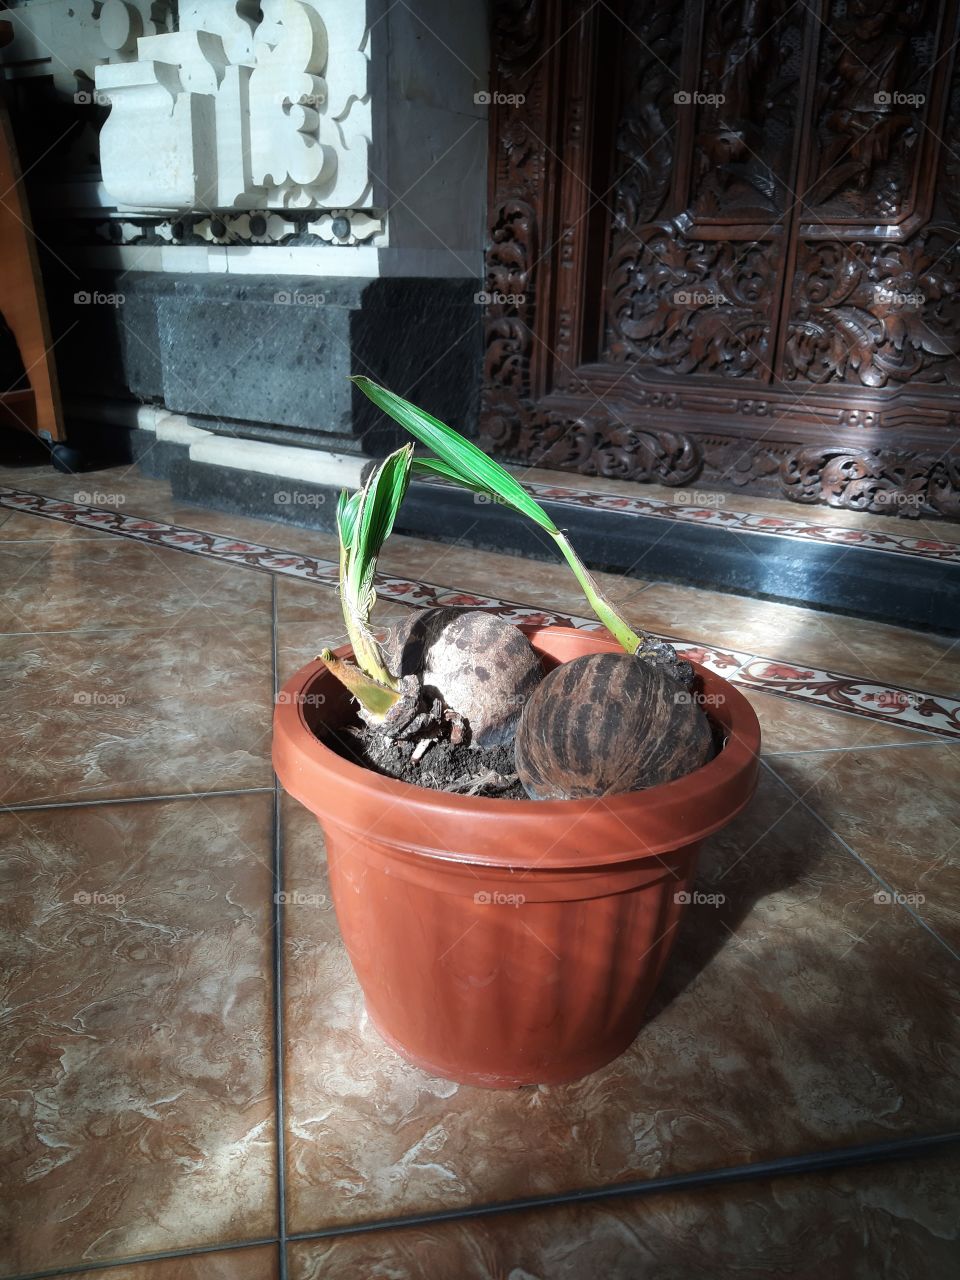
x=502 y=942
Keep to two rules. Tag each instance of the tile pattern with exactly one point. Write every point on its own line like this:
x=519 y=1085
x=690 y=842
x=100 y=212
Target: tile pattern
x=800 y=1011
x=797 y=1013
x=79 y=584
x=261 y=1262
x=935 y=713
x=97 y=714
x=916 y=846
x=894 y=1221
x=137 y=1098
x=683 y=512
x=789 y=727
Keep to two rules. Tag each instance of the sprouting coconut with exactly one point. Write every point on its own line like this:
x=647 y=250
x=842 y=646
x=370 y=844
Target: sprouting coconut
x=607 y=723
x=482 y=669
x=454 y=676
x=468 y=678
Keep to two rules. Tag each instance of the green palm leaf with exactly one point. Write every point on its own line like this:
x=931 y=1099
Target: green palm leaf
x=461 y=461
x=465 y=463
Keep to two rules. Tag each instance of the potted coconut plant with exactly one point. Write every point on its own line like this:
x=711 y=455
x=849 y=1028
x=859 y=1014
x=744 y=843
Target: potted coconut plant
x=512 y=813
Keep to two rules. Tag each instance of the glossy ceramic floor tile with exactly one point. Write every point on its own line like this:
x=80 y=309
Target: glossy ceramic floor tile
x=126 y=490
x=121 y=487
x=549 y=584
x=78 y=584
x=259 y=1262
x=137 y=1102
x=796 y=1015
x=310 y=602
x=920 y=660
x=800 y=1011
x=897 y=1221
x=900 y=812
x=15 y=526
x=788 y=726
x=157 y=711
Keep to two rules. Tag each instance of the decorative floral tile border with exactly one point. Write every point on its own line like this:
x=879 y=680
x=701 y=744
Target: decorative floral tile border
x=930 y=712
x=743 y=522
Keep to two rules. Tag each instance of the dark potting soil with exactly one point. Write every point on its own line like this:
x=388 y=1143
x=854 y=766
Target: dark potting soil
x=459 y=769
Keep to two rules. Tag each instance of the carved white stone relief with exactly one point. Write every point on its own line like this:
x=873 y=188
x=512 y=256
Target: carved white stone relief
x=241 y=116
x=287 y=93
x=69 y=40
x=334 y=227
x=346 y=226
x=227 y=105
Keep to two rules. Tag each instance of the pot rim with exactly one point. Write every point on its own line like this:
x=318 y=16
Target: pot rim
x=657 y=820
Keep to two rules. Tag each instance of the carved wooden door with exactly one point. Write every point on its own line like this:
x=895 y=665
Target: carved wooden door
x=723 y=241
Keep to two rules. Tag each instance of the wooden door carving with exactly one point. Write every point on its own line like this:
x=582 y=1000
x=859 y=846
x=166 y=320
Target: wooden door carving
x=723 y=242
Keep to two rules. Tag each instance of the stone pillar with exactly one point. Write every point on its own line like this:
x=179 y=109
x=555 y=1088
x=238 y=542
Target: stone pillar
x=281 y=201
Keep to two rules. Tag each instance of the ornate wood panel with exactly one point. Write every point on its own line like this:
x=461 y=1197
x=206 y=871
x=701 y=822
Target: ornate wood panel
x=723 y=241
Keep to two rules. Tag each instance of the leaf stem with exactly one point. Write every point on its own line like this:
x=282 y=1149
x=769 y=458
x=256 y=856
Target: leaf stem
x=374 y=697
x=598 y=601
x=367 y=650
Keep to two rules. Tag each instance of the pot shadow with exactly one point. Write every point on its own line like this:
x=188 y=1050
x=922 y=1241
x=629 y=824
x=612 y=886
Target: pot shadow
x=771 y=846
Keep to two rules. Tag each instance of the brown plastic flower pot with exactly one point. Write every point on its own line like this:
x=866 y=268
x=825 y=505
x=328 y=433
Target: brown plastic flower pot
x=509 y=942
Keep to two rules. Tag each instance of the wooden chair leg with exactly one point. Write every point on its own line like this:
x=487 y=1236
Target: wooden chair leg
x=22 y=300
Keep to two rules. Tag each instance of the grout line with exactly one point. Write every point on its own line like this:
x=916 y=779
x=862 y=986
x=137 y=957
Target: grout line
x=277 y=936
x=782 y=1166
x=905 y=906
x=92 y=1268
x=174 y=795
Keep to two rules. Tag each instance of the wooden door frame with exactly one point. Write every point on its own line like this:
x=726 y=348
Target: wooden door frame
x=547 y=397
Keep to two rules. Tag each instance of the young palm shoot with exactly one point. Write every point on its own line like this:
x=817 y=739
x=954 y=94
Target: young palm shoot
x=460 y=460
x=364 y=522
x=604 y=723
x=420 y=685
